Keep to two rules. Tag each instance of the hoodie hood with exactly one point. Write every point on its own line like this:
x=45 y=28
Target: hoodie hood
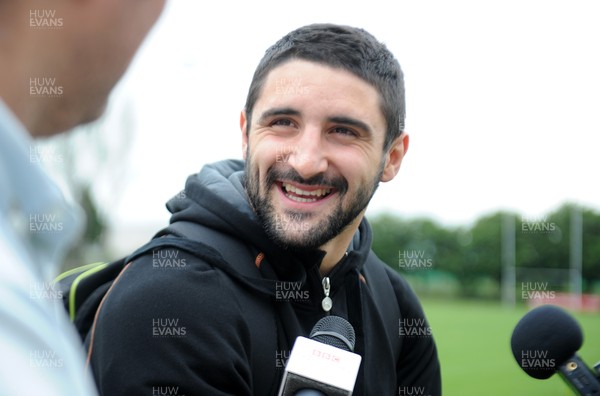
x=215 y=197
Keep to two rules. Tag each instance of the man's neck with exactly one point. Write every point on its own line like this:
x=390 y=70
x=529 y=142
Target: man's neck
x=336 y=248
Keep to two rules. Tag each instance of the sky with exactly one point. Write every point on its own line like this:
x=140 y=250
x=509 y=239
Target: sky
x=503 y=103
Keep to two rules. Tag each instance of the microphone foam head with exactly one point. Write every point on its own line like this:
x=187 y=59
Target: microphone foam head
x=544 y=339
x=335 y=331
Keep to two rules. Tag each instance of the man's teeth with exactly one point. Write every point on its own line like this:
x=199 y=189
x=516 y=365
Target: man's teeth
x=298 y=199
x=303 y=195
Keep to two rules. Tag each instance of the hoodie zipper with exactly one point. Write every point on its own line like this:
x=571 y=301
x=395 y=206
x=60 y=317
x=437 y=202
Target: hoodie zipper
x=327 y=302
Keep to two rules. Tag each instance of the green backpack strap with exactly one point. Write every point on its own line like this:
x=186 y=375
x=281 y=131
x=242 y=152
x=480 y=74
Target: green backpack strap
x=82 y=289
x=69 y=281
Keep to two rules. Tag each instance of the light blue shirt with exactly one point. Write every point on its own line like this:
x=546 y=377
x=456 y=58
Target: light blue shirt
x=40 y=352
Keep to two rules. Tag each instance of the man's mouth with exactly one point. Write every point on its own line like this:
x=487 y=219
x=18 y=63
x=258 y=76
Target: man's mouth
x=298 y=194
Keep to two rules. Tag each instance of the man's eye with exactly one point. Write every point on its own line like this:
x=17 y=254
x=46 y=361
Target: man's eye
x=344 y=131
x=282 y=122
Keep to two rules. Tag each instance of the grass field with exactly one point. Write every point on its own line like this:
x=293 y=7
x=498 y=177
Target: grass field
x=473 y=341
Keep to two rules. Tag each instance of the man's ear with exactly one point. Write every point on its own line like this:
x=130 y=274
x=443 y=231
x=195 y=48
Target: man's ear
x=394 y=157
x=243 y=128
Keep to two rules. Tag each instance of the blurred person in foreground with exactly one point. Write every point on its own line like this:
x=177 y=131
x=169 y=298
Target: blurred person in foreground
x=59 y=61
x=323 y=125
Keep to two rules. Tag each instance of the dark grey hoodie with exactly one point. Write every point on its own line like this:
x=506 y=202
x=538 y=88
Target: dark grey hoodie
x=183 y=324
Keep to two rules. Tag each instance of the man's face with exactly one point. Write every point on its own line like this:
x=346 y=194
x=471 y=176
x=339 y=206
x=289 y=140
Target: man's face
x=314 y=152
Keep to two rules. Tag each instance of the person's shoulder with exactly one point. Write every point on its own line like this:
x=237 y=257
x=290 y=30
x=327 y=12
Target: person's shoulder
x=187 y=294
x=169 y=281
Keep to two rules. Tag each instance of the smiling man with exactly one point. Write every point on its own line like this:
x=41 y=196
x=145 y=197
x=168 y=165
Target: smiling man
x=280 y=240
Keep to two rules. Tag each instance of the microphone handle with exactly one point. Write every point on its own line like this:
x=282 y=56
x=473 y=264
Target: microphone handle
x=580 y=377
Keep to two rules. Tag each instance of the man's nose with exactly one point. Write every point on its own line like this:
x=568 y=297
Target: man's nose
x=309 y=155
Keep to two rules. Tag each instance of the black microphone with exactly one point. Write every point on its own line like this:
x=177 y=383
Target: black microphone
x=545 y=341
x=324 y=364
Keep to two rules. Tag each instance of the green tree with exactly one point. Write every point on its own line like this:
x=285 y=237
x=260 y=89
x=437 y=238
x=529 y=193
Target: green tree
x=544 y=243
x=473 y=254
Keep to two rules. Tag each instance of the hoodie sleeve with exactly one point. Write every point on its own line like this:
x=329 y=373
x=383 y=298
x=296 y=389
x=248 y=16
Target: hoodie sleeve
x=171 y=331
x=418 y=368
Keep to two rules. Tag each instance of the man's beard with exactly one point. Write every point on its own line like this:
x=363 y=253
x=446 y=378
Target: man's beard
x=278 y=225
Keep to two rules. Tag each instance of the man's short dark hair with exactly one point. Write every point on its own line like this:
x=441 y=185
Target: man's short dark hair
x=345 y=47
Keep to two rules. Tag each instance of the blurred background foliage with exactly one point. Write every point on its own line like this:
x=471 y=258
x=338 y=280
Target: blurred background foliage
x=467 y=260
